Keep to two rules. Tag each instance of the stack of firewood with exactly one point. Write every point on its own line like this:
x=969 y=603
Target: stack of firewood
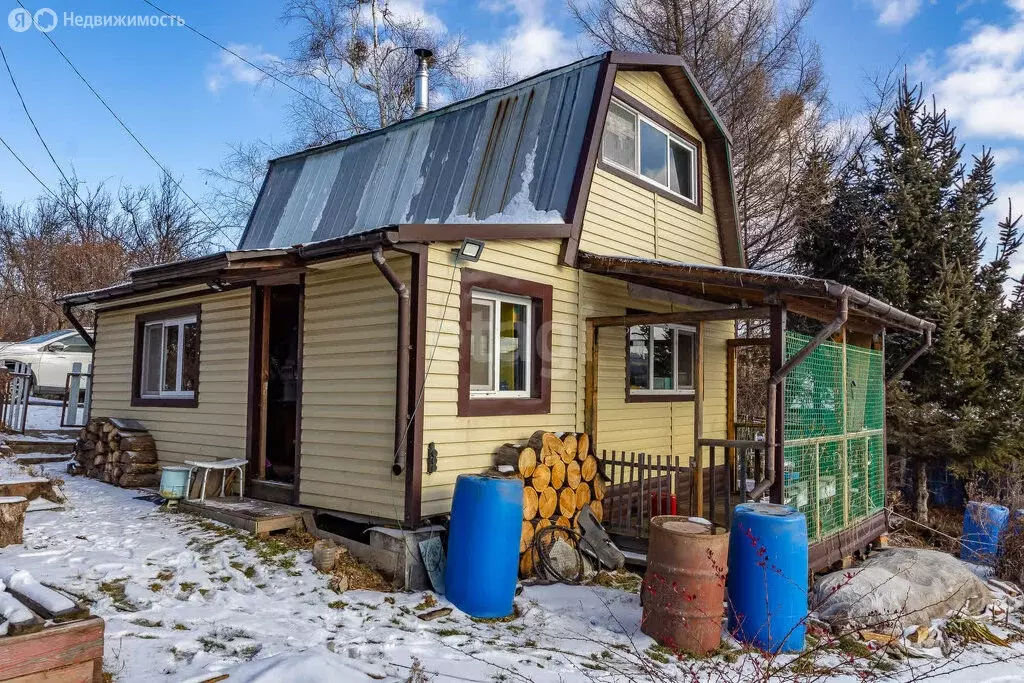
x=560 y=478
x=117 y=455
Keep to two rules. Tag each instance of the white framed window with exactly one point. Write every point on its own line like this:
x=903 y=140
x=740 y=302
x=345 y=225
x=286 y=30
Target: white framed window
x=641 y=147
x=170 y=358
x=661 y=360
x=501 y=359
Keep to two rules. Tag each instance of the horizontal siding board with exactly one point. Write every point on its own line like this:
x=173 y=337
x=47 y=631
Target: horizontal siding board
x=624 y=218
x=467 y=445
x=216 y=428
x=348 y=390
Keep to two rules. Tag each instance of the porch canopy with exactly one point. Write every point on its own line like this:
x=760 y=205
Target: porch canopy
x=811 y=297
x=823 y=446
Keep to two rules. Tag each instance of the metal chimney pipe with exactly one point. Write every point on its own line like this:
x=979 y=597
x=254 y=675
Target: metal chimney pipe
x=422 y=81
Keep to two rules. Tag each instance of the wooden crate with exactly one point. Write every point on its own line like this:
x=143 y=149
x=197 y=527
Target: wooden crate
x=71 y=652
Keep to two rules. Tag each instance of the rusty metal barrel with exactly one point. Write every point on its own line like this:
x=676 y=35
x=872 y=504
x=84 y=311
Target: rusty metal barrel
x=683 y=591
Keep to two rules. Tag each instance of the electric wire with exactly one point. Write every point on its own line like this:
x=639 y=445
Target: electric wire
x=24 y=105
x=27 y=168
x=235 y=54
x=131 y=134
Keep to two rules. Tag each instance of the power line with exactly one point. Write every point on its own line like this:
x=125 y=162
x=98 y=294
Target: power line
x=129 y=130
x=238 y=56
x=31 y=120
x=26 y=167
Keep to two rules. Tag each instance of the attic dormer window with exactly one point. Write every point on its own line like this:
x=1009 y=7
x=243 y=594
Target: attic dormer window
x=647 y=150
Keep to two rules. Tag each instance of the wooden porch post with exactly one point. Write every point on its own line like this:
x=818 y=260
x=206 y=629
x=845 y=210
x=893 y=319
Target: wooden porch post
x=777 y=360
x=590 y=387
x=885 y=422
x=845 y=451
x=697 y=500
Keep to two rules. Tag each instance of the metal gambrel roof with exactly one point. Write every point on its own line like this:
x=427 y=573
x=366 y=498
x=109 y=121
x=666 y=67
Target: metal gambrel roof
x=467 y=162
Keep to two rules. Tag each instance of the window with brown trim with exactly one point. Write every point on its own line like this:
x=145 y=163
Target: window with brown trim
x=660 y=363
x=640 y=145
x=504 y=345
x=165 y=366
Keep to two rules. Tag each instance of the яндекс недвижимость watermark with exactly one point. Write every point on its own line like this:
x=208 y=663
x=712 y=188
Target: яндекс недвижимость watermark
x=46 y=19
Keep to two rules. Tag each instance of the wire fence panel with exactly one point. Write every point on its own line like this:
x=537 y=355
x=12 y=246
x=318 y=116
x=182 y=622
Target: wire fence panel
x=834 y=431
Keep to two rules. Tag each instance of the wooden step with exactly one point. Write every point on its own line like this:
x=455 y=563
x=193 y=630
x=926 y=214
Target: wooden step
x=41 y=458
x=30 y=445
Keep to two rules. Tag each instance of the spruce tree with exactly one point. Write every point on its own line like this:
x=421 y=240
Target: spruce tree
x=904 y=223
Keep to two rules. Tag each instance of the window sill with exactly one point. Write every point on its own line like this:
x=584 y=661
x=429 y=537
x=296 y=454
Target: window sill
x=659 y=398
x=649 y=185
x=480 y=407
x=165 y=401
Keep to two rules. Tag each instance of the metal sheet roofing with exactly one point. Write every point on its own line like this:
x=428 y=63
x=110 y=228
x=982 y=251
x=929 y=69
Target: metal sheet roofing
x=508 y=155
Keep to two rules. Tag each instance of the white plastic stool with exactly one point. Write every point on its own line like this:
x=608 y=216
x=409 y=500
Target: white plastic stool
x=237 y=464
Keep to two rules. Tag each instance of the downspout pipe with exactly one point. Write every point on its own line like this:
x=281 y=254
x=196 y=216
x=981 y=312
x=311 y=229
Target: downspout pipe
x=926 y=343
x=402 y=390
x=774 y=384
x=70 y=315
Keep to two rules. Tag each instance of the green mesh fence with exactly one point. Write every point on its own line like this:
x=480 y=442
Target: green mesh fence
x=834 y=419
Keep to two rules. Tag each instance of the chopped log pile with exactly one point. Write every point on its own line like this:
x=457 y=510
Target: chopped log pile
x=560 y=478
x=121 y=456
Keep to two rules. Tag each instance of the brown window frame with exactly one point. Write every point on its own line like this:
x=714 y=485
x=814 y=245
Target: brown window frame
x=666 y=397
x=140 y=325
x=647 y=112
x=539 y=402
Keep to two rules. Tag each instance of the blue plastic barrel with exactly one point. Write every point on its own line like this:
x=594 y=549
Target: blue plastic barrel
x=984 y=524
x=174 y=482
x=767 y=584
x=483 y=545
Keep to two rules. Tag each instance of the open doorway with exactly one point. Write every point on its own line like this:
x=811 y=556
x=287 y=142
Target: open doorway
x=274 y=466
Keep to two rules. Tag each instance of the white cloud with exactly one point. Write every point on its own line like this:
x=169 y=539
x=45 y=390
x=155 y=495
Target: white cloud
x=229 y=69
x=896 y=13
x=1006 y=156
x=980 y=81
x=411 y=10
x=533 y=43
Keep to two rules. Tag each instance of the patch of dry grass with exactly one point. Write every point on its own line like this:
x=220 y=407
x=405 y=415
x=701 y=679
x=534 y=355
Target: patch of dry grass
x=359 y=575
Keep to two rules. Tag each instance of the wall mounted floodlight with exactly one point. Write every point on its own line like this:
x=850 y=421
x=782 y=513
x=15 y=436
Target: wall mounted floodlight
x=469 y=250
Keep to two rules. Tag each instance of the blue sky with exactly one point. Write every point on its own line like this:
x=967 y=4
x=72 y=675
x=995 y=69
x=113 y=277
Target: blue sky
x=187 y=100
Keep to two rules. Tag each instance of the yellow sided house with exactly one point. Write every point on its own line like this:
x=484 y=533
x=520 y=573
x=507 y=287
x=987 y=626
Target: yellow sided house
x=561 y=254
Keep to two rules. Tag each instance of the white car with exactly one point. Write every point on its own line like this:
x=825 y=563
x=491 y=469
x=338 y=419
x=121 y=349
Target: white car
x=51 y=356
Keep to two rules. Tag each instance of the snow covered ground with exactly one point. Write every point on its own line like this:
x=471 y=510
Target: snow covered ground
x=43 y=413
x=185 y=599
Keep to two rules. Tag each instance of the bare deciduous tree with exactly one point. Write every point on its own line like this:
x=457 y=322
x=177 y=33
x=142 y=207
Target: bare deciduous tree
x=80 y=240
x=235 y=183
x=354 y=58
x=763 y=76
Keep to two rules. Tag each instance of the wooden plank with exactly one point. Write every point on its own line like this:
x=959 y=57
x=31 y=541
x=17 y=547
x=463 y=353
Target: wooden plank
x=680 y=317
x=9 y=603
x=698 y=421
x=54 y=648
x=79 y=611
x=83 y=672
x=245 y=519
x=776 y=361
x=845 y=445
x=730 y=390
x=590 y=394
x=261 y=446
